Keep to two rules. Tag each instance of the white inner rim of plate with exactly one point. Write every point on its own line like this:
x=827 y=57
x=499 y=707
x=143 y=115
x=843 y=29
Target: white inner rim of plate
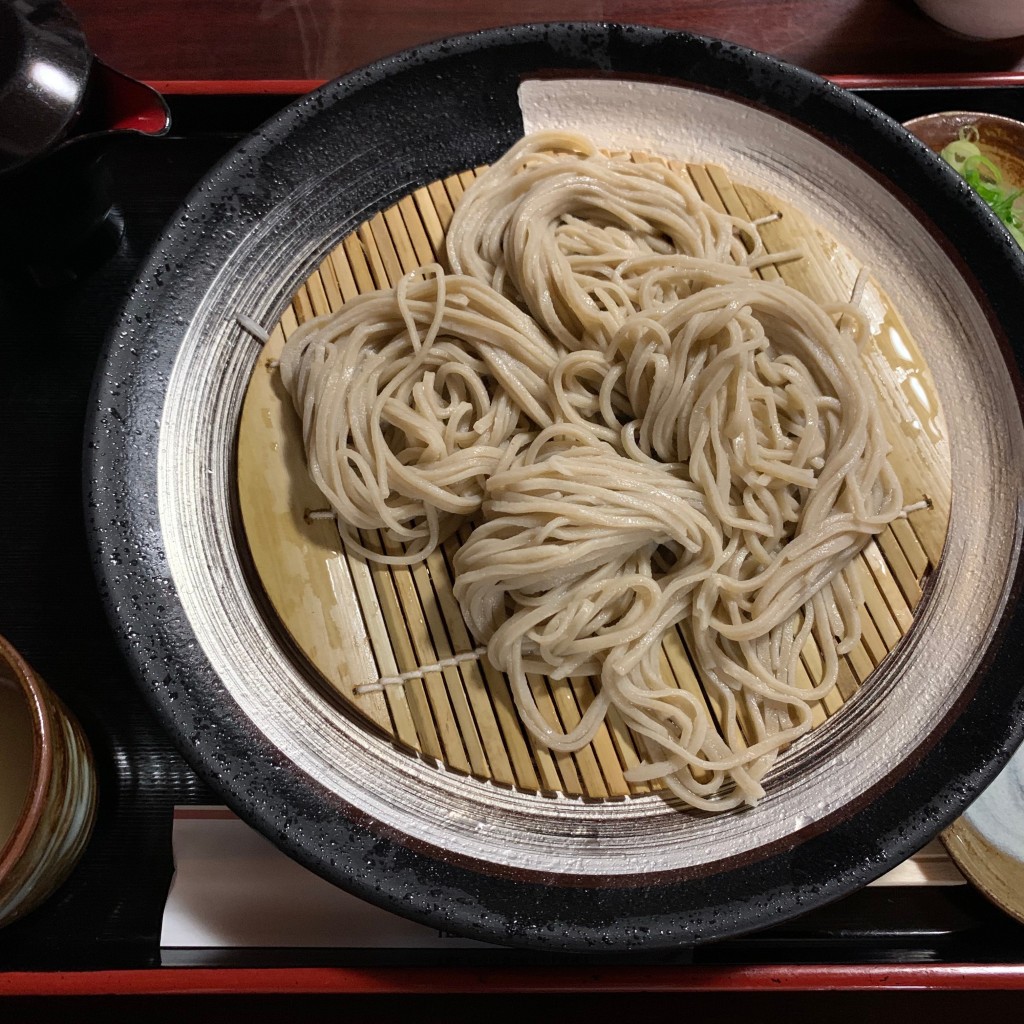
x=834 y=765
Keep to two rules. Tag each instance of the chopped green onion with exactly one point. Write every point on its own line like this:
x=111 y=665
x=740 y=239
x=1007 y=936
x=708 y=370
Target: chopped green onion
x=985 y=177
x=957 y=153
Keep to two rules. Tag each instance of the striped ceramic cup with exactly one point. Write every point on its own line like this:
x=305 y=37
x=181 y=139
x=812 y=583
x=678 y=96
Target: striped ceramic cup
x=47 y=788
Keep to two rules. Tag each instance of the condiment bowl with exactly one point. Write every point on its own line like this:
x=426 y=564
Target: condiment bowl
x=47 y=788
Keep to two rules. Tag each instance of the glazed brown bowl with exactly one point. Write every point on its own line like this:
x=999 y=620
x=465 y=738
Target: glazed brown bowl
x=47 y=788
x=1001 y=139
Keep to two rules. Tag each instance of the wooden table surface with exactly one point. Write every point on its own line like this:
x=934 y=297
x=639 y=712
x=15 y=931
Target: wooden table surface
x=173 y=40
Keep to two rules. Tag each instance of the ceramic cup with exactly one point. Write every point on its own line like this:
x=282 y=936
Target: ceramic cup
x=980 y=19
x=47 y=788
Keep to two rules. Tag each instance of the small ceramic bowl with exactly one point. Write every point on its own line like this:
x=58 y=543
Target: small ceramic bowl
x=987 y=841
x=999 y=138
x=47 y=788
x=978 y=19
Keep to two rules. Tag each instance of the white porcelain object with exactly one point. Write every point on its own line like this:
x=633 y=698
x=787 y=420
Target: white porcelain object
x=981 y=19
x=987 y=842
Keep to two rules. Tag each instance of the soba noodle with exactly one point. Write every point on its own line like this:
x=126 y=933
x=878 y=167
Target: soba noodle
x=646 y=435
x=408 y=398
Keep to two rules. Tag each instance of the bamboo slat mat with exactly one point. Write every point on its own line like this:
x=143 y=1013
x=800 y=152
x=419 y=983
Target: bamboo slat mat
x=357 y=622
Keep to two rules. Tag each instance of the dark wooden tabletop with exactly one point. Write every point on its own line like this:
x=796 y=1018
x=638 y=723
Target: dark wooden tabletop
x=171 y=40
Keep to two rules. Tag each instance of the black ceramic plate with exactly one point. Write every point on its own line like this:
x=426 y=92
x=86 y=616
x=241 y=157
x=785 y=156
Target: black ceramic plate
x=864 y=792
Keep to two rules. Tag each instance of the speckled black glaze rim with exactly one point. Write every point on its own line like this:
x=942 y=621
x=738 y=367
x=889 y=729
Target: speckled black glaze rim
x=474 y=125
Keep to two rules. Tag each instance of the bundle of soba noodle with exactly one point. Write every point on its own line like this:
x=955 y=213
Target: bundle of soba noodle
x=645 y=435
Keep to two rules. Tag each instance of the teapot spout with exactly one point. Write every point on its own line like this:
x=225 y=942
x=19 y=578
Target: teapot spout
x=116 y=103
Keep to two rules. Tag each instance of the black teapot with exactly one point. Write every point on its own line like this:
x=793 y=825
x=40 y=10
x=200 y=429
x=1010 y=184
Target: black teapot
x=54 y=91
x=59 y=108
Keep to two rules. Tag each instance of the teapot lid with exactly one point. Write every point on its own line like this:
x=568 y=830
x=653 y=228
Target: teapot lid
x=44 y=68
